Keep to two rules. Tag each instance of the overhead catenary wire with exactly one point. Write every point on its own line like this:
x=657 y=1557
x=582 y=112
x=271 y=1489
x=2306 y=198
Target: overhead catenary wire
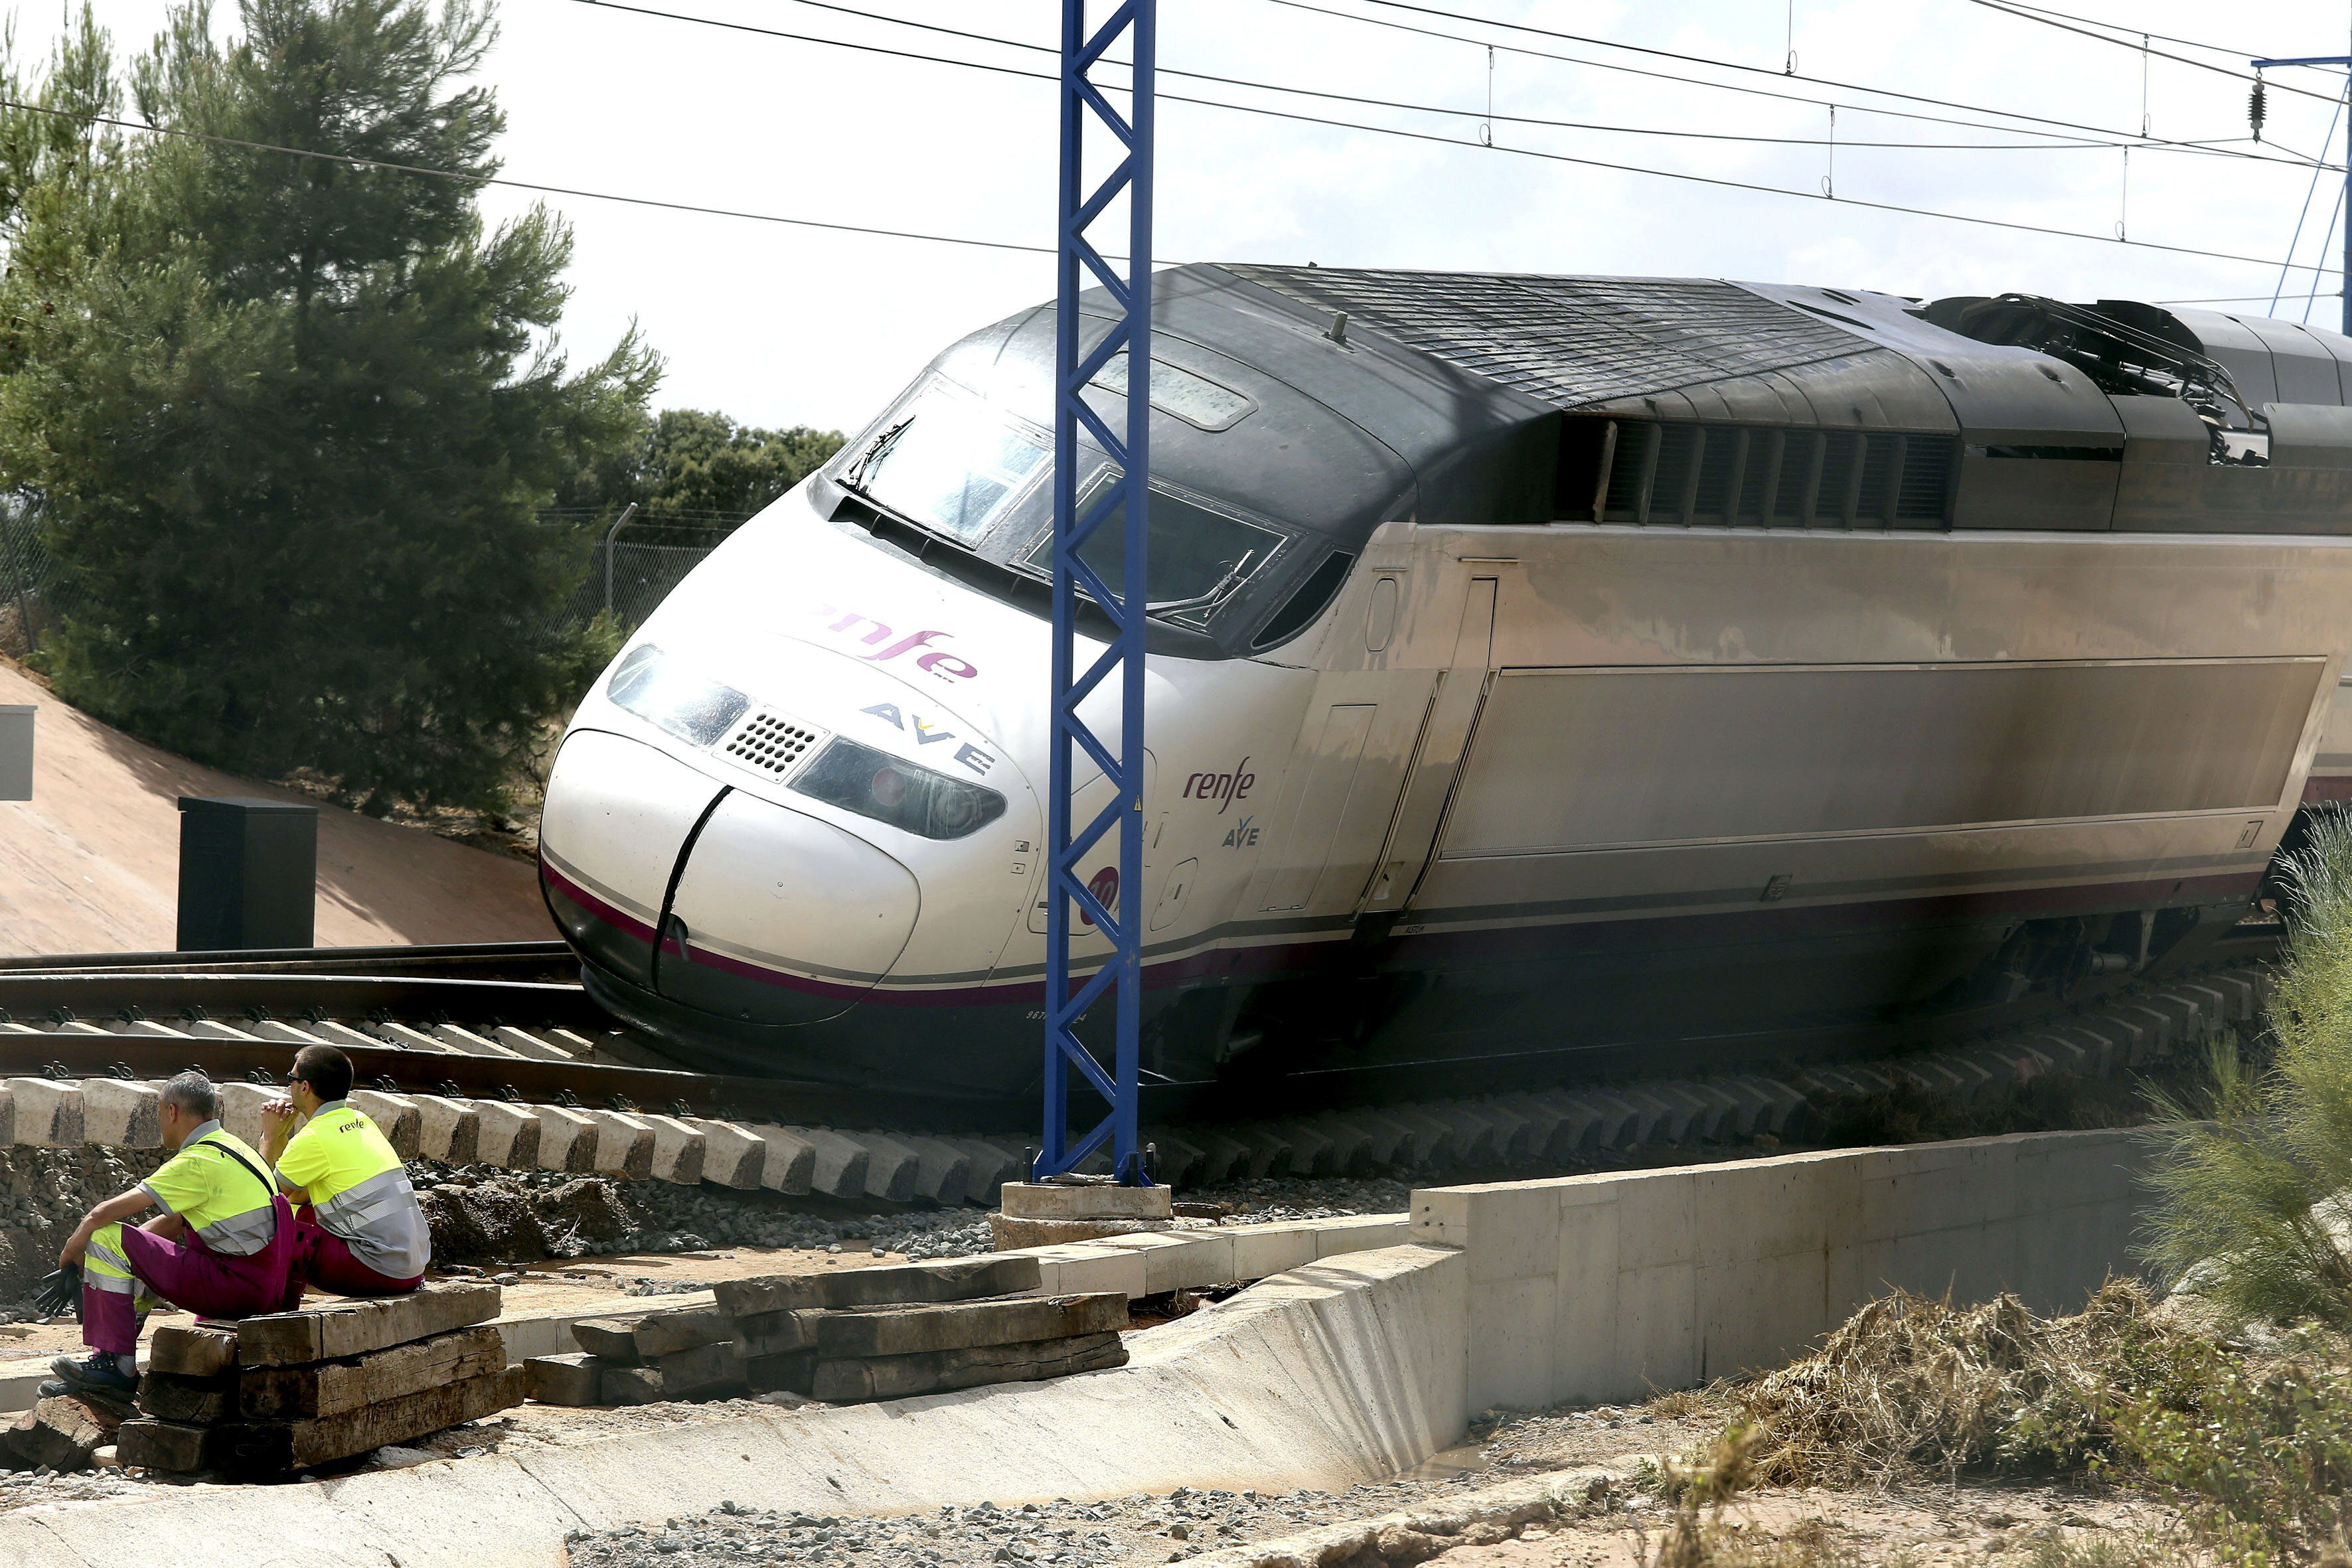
x=1718 y=182
x=1709 y=61
x=2234 y=51
x=2052 y=19
x=2085 y=138
x=664 y=203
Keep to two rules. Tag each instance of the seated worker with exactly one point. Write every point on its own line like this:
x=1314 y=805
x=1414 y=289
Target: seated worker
x=220 y=1249
x=360 y=1230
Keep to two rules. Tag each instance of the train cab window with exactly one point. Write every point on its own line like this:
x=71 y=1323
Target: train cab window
x=1307 y=601
x=1195 y=556
x=946 y=462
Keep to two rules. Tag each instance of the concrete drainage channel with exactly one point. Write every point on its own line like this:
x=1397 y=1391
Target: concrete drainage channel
x=1367 y=1347
x=1563 y=1126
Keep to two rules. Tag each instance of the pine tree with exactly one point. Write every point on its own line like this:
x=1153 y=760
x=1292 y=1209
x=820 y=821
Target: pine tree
x=290 y=421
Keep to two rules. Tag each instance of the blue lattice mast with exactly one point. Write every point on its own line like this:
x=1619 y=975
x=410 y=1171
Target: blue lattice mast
x=1116 y=909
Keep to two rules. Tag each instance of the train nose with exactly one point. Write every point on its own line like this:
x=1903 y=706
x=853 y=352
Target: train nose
x=764 y=914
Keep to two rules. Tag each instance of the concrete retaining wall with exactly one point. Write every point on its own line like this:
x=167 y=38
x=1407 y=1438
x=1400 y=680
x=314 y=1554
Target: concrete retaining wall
x=1609 y=1287
x=1342 y=1369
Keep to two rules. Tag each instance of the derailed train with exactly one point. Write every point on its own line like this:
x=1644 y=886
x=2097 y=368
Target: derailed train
x=1538 y=665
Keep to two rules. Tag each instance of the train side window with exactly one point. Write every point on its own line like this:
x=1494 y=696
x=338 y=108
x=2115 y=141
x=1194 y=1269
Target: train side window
x=1307 y=601
x=1586 y=446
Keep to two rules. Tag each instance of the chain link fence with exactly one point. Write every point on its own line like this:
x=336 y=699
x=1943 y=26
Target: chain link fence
x=630 y=568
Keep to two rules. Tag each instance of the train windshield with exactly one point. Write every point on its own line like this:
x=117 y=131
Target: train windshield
x=965 y=473
x=946 y=462
x=1194 y=555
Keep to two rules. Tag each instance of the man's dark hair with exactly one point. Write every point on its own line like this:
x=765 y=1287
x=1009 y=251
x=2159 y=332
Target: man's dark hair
x=192 y=1092
x=326 y=1070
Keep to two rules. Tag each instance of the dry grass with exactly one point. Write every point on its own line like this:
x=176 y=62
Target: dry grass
x=1909 y=1386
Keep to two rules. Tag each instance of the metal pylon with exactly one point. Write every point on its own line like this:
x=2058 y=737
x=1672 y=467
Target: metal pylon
x=1115 y=908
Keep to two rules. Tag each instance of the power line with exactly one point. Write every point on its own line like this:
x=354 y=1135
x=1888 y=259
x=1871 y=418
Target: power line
x=2213 y=147
x=2238 y=299
x=2052 y=19
x=1718 y=181
x=1757 y=70
x=2232 y=50
x=1248 y=84
x=357 y=162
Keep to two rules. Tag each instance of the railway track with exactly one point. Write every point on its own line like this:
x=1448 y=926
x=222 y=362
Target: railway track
x=464 y=1064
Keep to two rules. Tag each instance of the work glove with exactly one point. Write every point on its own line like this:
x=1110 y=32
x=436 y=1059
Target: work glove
x=57 y=1292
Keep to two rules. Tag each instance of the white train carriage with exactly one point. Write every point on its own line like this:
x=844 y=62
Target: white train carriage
x=1540 y=667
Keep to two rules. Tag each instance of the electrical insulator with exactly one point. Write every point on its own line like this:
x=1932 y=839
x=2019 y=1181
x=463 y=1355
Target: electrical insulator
x=2257 y=110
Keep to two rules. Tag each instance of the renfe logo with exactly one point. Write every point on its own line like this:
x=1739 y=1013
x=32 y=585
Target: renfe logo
x=938 y=661
x=1225 y=787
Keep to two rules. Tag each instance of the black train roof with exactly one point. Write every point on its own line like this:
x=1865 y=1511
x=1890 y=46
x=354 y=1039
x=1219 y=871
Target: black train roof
x=1573 y=341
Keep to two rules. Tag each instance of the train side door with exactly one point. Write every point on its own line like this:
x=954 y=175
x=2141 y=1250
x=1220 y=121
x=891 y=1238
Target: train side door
x=1437 y=757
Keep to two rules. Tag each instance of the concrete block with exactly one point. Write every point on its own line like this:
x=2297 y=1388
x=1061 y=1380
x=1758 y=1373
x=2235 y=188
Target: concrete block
x=1435 y=1145
x=1475 y=1132
x=1267 y=1153
x=788 y=1161
x=525 y=1044
x=1087 y=1267
x=1619 y=1119
x=448 y=1129
x=1686 y=1114
x=240 y=1107
x=149 y=1030
x=678 y=1150
x=1512 y=1344
x=1584 y=1333
x=838 y=1168
x=1649 y=1118
x=272 y=1029
x=1657 y=1327
x=119 y=1114
x=625 y=1143
x=941 y=1170
x=1313 y=1151
x=1363 y=1140
x=732 y=1156
x=470 y=1043
x=505 y=1135
x=1262 y=1251
x=890 y=1167
x=1658 y=1222
x=1515 y=1133
x=2237 y=991
x=1225 y=1156
x=1054 y=1200
x=410 y=1039
x=1178 y=1259
x=1511 y=1229
x=567 y=1139
x=396 y=1116
x=336 y=1034
x=2158 y=1027
x=49 y=1112
x=1768 y=1209
x=1172 y=1163
x=1361 y=1233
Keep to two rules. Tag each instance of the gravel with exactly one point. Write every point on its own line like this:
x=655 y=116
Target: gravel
x=487 y=1215
x=1135 y=1529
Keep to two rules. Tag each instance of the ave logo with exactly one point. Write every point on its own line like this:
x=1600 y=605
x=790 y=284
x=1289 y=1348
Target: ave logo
x=1242 y=835
x=927 y=733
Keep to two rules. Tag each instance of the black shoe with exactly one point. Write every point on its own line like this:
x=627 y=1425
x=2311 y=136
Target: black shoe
x=94 y=1373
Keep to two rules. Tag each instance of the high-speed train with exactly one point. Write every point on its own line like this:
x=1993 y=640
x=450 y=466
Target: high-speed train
x=1538 y=665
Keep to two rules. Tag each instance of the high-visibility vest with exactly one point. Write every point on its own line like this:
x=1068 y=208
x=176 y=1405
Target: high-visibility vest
x=222 y=1198
x=342 y=1161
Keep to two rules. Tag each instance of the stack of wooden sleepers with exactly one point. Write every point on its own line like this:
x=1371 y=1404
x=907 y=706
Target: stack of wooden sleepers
x=857 y=1334
x=272 y=1395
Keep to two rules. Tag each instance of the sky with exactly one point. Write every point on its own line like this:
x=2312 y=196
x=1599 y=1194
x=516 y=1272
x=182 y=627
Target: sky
x=779 y=325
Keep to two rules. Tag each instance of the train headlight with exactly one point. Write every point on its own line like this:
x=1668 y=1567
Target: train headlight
x=889 y=789
x=659 y=689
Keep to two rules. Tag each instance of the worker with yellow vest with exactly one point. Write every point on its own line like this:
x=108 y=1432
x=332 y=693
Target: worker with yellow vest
x=360 y=1230
x=221 y=1249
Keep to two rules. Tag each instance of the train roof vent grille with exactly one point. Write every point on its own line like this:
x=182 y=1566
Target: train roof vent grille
x=1573 y=341
x=771 y=742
